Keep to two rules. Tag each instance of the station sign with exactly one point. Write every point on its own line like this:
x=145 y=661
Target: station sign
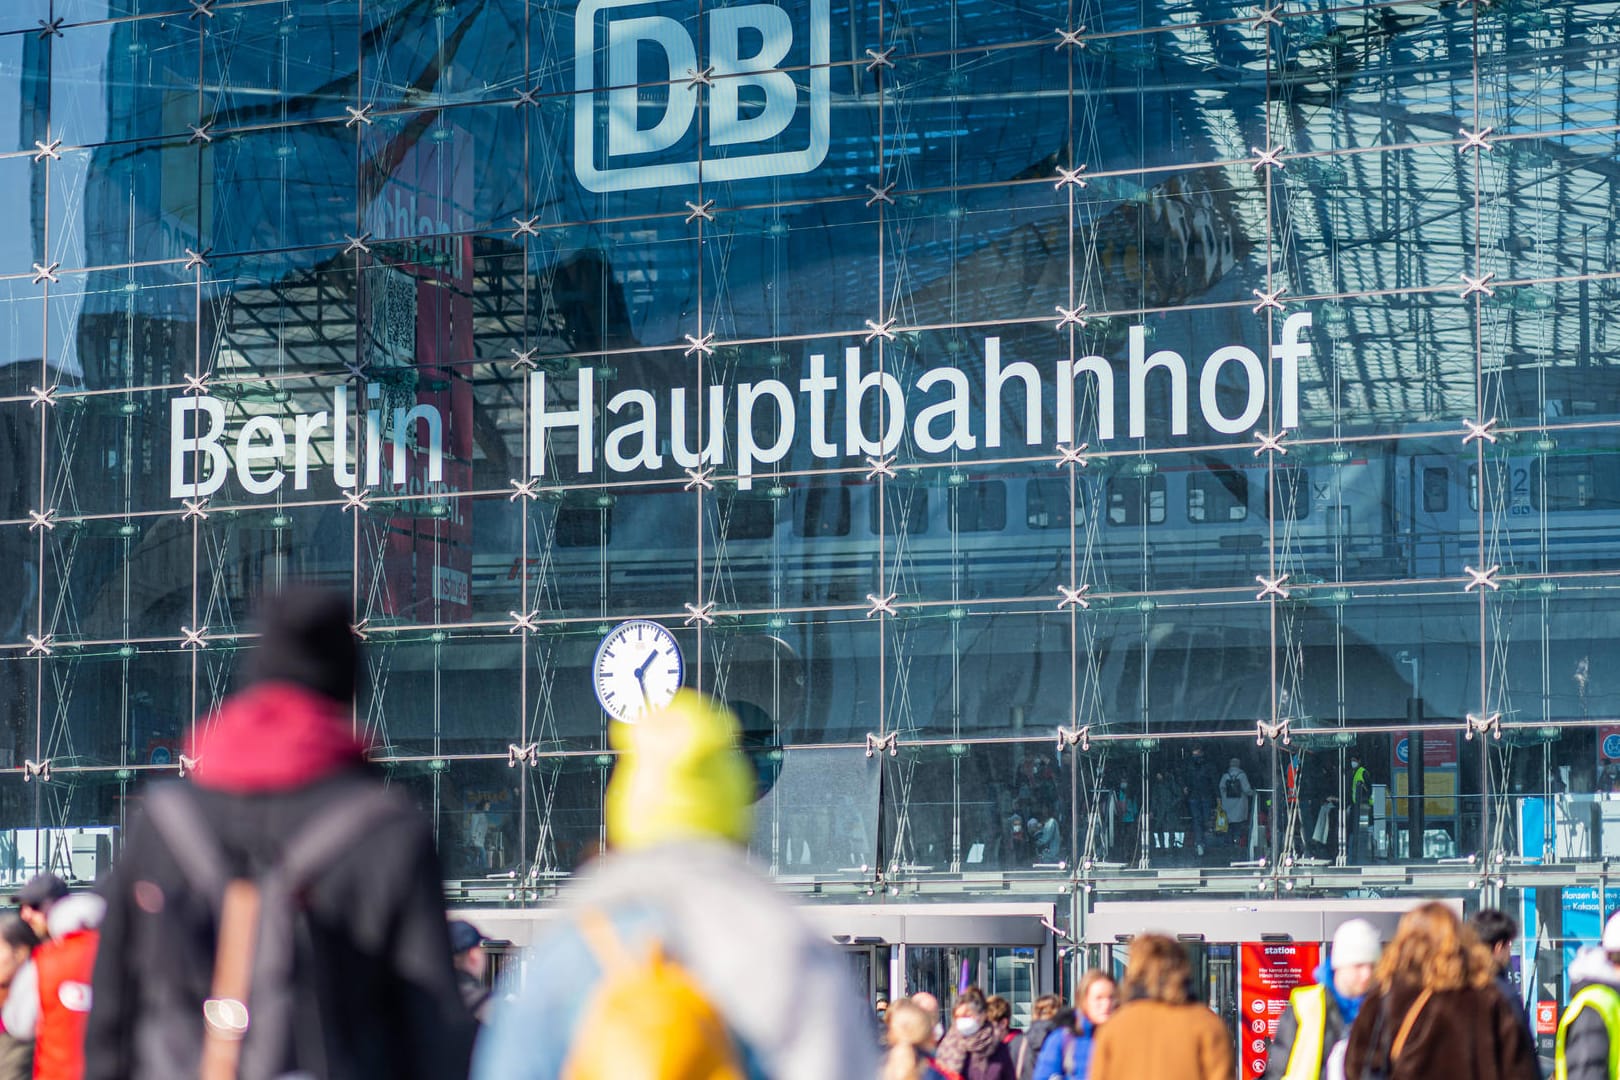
x=1269 y=972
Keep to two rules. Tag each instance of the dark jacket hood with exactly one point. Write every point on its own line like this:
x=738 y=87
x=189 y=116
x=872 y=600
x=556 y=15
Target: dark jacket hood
x=274 y=736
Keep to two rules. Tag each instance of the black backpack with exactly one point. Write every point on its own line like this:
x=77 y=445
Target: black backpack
x=1231 y=787
x=182 y=824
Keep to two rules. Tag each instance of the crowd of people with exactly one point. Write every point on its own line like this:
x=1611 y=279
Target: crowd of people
x=1435 y=1002
x=281 y=916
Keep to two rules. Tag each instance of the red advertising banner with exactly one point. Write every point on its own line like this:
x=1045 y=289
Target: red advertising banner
x=1269 y=972
x=1546 y=1018
x=417 y=318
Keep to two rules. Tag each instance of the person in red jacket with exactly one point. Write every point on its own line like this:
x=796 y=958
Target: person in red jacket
x=50 y=997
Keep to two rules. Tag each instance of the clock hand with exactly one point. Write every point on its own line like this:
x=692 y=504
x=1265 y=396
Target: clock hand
x=642 y=670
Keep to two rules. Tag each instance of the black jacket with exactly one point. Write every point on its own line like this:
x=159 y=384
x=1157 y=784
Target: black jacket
x=1511 y=992
x=1029 y=1048
x=1288 y=1030
x=1586 y=1044
x=376 y=994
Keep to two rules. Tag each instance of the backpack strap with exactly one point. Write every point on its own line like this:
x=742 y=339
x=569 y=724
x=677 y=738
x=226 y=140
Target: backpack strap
x=225 y=1013
x=173 y=812
x=603 y=940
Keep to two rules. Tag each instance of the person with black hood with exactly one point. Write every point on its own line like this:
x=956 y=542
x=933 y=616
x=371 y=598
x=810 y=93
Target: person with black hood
x=286 y=884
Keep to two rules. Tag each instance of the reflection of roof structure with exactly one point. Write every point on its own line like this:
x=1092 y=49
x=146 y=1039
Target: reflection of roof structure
x=1375 y=210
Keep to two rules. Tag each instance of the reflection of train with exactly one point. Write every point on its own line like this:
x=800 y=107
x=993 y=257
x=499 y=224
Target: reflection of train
x=1006 y=529
x=1393 y=511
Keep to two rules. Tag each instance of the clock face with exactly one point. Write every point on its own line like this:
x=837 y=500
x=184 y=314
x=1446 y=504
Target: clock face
x=638 y=669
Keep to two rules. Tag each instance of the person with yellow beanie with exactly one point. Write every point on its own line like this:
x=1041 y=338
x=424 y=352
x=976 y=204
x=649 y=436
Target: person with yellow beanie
x=672 y=958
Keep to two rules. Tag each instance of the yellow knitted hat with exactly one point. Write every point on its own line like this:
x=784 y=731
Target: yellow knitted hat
x=680 y=775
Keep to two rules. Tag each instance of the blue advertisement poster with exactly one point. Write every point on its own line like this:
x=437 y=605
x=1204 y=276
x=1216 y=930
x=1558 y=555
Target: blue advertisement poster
x=1584 y=916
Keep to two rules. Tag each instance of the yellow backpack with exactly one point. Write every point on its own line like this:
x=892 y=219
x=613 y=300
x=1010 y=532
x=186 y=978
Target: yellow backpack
x=646 y=1018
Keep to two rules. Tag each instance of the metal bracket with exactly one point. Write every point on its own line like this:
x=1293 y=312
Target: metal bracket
x=1271 y=444
x=1274 y=732
x=880 y=466
x=881 y=605
x=1267 y=157
x=1075 y=597
x=1071 y=316
x=1271 y=587
x=1272 y=299
x=1483 y=724
x=1070 y=38
x=1080 y=736
x=876 y=744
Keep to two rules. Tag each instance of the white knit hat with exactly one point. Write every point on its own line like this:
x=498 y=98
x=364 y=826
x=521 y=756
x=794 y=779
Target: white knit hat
x=1355 y=942
x=1611 y=933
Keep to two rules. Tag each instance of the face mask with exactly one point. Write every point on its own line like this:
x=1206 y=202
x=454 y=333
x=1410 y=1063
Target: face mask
x=967 y=1025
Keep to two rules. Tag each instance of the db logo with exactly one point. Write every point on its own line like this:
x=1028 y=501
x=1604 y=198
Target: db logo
x=640 y=84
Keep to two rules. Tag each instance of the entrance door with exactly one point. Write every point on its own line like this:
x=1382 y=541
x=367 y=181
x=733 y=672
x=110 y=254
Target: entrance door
x=869 y=969
x=942 y=970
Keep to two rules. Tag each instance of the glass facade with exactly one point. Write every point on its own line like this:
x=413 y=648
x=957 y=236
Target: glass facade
x=1017 y=411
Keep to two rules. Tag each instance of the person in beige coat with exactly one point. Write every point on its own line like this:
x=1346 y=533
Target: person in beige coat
x=1161 y=1033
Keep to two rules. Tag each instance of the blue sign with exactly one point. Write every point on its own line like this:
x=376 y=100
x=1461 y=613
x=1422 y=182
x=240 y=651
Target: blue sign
x=1611 y=745
x=1401 y=752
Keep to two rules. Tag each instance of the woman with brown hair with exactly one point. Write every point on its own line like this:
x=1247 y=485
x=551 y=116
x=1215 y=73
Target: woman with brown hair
x=1433 y=1009
x=1161 y=1033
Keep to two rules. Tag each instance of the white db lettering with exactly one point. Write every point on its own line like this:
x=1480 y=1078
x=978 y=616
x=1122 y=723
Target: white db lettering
x=648 y=108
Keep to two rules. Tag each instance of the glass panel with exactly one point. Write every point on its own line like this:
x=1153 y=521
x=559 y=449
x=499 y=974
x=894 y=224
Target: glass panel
x=126 y=81
x=281 y=63
x=819 y=813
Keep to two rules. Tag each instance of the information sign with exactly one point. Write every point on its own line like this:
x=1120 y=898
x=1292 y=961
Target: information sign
x=1270 y=971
